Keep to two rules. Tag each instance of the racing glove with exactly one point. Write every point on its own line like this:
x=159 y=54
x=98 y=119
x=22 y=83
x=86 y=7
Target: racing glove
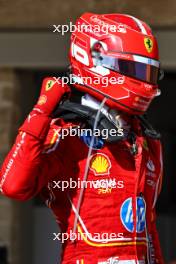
x=39 y=119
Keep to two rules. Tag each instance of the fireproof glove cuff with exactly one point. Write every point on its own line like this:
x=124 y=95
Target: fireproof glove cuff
x=36 y=124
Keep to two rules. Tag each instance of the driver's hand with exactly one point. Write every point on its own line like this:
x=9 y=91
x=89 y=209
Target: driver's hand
x=52 y=91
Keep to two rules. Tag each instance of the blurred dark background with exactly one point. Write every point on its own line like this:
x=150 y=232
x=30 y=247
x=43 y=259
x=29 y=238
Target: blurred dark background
x=29 y=51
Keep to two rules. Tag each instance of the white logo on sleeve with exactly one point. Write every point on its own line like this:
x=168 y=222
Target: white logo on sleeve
x=150 y=165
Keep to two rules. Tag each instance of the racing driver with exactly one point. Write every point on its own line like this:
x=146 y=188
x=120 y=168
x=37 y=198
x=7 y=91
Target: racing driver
x=124 y=170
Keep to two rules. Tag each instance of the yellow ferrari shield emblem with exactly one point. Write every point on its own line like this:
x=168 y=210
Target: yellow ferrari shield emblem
x=148 y=44
x=49 y=84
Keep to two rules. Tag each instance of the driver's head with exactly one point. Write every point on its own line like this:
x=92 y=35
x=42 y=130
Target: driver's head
x=115 y=56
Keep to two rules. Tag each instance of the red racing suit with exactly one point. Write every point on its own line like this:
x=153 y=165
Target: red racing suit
x=116 y=221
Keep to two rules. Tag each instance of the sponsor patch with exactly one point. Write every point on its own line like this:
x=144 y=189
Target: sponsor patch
x=126 y=215
x=150 y=165
x=151 y=183
x=49 y=85
x=112 y=260
x=42 y=100
x=100 y=164
x=80 y=261
x=148 y=42
x=115 y=260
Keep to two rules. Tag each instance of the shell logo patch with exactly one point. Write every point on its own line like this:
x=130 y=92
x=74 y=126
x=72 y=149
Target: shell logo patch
x=49 y=85
x=42 y=100
x=148 y=42
x=100 y=164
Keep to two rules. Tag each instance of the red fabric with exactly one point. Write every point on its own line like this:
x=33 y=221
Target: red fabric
x=33 y=164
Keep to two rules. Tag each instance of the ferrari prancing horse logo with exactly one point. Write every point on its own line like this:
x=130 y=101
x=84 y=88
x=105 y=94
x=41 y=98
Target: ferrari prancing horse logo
x=49 y=84
x=148 y=44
